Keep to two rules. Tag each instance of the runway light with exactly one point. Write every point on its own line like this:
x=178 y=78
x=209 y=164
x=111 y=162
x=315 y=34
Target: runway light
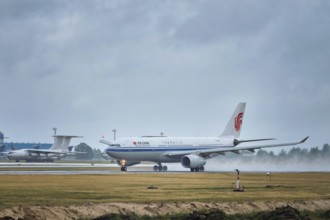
x=270 y=176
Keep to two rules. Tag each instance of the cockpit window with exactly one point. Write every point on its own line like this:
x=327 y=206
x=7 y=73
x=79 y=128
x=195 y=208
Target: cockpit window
x=114 y=145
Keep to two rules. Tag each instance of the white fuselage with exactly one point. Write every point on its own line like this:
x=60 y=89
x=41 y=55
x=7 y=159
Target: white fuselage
x=23 y=154
x=156 y=148
x=192 y=152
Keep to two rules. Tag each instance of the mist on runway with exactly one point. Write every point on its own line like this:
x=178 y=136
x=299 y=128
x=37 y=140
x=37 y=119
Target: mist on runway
x=223 y=164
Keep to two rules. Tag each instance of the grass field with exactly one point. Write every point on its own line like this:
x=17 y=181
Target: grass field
x=123 y=187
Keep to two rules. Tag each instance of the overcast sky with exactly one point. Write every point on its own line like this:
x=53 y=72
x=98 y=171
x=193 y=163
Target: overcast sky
x=178 y=67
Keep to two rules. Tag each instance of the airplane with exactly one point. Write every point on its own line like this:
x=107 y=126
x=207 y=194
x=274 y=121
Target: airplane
x=57 y=151
x=191 y=152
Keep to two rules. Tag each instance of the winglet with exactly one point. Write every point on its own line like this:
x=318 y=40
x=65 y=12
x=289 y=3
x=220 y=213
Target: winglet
x=302 y=141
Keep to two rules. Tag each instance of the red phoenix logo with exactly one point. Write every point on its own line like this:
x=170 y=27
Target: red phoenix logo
x=238 y=121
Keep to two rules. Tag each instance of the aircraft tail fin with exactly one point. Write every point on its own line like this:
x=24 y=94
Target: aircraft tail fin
x=62 y=142
x=234 y=125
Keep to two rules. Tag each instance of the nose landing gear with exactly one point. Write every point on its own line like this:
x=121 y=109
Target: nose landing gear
x=122 y=164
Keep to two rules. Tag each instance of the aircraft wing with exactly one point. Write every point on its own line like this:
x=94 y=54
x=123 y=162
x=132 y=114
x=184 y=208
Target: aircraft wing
x=207 y=153
x=105 y=142
x=41 y=151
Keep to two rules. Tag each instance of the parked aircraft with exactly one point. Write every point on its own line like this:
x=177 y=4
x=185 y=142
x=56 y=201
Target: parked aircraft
x=58 y=150
x=192 y=152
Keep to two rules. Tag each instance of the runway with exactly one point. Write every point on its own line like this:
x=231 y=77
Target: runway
x=20 y=168
x=54 y=165
x=58 y=172
x=97 y=168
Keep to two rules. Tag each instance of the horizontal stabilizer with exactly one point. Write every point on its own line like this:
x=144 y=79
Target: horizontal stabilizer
x=105 y=142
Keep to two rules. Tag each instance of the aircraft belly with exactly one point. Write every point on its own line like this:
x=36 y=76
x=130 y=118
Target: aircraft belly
x=32 y=156
x=19 y=157
x=155 y=156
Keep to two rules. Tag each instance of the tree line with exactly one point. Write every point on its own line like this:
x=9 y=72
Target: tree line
x=89 y=153
x=297 y=153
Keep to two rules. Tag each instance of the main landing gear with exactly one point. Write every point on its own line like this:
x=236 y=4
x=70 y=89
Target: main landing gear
x=123 y=169
x=160 y=168
x=198 y=169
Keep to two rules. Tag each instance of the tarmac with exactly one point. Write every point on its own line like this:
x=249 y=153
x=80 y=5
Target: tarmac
x=23 y=168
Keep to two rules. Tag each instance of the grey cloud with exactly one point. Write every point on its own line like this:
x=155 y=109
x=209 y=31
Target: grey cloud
x=217 y=21
x=178 y=67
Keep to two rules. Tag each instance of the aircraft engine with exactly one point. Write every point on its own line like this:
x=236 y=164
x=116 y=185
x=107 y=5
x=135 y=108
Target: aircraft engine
x=192 y=161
